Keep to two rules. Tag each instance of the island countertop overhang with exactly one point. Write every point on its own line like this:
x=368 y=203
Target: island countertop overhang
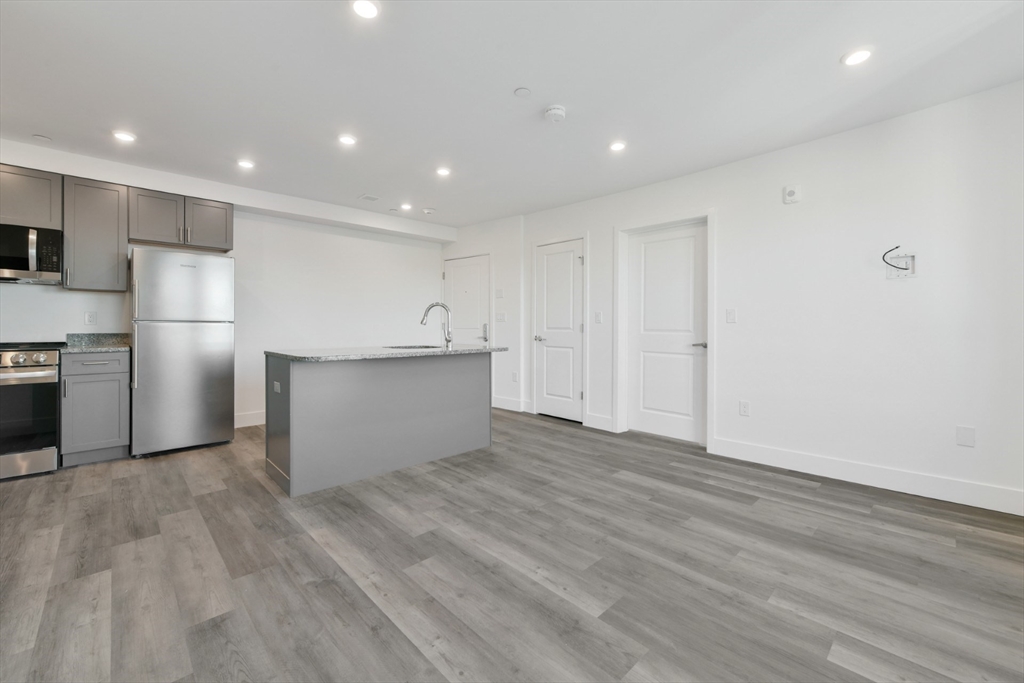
x=377 y=353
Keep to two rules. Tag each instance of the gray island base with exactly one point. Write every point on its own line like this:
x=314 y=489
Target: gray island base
x=335 y=416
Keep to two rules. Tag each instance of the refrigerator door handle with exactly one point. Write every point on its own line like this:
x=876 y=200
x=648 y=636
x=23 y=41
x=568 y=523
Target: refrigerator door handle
x=135 y=355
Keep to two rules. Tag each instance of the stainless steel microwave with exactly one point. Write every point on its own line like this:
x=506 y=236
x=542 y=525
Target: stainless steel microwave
x=30 y=255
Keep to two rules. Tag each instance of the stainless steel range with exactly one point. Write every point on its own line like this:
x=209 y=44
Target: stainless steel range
x=29 y=406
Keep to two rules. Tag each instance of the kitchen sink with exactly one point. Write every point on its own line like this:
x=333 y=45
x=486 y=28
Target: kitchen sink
x=413 y=347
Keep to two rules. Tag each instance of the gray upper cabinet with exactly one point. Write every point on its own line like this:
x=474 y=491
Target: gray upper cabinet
x=30 y=198
x=155 y=217
x=209 y=224
x=95 y=235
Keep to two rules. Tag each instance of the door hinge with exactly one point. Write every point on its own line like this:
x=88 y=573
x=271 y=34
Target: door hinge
x=581 y=327
x=442 y=274
x=581 y=395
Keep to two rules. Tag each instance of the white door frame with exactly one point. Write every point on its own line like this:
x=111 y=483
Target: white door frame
x=620 y=343
x=528 y=337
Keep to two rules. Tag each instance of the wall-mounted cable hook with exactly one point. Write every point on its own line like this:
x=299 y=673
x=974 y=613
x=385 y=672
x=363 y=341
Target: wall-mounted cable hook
x=893 y=265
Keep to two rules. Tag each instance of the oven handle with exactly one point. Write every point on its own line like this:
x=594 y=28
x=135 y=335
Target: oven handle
x=18 y=375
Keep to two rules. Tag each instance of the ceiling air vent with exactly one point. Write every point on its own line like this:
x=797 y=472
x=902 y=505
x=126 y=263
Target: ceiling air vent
x=369 y=197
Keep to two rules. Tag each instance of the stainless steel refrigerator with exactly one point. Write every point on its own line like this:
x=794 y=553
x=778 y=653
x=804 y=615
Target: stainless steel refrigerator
x=183 y=349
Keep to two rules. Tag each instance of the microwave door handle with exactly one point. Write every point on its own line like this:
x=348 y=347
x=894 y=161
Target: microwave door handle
x=33 y=262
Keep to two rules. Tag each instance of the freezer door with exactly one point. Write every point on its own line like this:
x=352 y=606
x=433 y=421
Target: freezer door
x=177 y=285
x=183 y=377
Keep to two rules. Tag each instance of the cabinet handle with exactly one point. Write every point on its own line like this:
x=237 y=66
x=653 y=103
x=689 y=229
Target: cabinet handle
x=65 y=387
x=96 y=362
x=181 y=234
x=67 y=276
x=188 y=234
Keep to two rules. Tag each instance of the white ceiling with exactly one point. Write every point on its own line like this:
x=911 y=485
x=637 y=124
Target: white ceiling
x=689 y=85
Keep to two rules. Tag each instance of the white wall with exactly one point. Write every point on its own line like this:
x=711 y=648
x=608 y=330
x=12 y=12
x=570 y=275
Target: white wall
x=299 y=285
x=848 y=374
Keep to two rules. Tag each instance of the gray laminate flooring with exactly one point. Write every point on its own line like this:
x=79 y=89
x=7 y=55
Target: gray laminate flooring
x=558 y=554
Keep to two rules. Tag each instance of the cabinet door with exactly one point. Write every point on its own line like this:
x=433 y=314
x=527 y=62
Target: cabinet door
x=209 y=224
x=95 y=235
x=30 y=198
x=155 y=216
x=94 y=412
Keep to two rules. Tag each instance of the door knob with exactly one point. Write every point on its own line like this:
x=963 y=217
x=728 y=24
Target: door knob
x=703 y=345
x=537 y=337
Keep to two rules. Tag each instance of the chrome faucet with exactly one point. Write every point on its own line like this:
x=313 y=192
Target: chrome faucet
x=446 y=325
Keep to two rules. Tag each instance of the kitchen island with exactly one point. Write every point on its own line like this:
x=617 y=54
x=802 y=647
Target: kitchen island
x=335 y=416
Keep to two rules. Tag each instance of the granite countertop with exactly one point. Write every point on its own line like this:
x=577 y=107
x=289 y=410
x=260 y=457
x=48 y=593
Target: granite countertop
x=98 y=343
x=378 y=352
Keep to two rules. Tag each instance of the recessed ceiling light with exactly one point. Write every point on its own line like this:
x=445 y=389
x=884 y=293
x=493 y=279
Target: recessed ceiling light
x=42 y=138
x=858 y=56
x=245 y=163
x=406 y=207
x=618 y=146
x=443 y=171
x=521 y=92
x=124 y=136
x=367 y=9
x=347 y=140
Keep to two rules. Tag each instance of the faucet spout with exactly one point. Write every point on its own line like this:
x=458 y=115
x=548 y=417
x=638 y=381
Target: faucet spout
x=446 y=324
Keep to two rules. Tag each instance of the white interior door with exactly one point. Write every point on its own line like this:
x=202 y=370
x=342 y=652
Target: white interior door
x=558 y=330
x=667 y=321
x=467 y=291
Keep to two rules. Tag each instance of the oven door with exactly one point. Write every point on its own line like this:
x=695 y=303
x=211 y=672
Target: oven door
x=28 y=421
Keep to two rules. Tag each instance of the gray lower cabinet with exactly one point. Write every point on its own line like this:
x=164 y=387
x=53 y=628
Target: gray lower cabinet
x=95 y=420
x=209 y=224
x=155 y=217
x=95 y=235
x=30 y=198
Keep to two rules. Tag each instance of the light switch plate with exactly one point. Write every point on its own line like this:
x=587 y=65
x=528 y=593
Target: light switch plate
x=277 y=387
x=730 y=315
x=599 y=317
x=499 y=317
x=499 y=294
x=965 y=436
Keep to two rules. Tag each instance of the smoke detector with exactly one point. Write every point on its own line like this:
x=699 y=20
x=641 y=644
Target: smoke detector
x=555 y=113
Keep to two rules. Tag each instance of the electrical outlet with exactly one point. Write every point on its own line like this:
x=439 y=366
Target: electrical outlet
x=277 y=387
x=599 y=317
x=91 y=317
x=500 y=317
x=965 y=436
x=730 y=315
x=745 y=408
x=515 y=376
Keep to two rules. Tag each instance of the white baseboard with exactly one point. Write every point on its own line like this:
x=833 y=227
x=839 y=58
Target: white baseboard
x=528 y=407
x=506 y=403
x=603 y=422
x=971 y=493
x=257 y=417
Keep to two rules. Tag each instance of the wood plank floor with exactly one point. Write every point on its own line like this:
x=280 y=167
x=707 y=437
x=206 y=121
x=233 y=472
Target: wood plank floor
x=558 y=554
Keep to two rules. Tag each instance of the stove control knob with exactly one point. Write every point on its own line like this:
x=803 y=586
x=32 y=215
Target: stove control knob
x=39 y=358
x=18 y=359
